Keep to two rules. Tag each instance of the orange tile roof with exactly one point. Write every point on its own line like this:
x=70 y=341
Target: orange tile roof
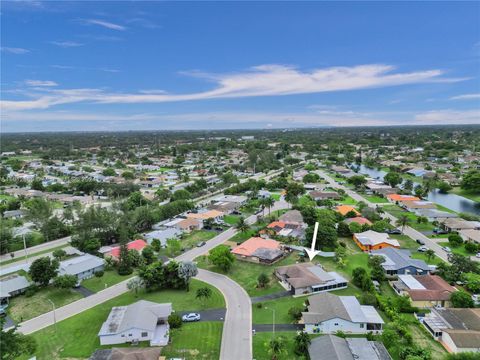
x=211 y=214
x=248 y=247
x=277 y=223
x=359 y=220
x=398 y=197
x=345 y=209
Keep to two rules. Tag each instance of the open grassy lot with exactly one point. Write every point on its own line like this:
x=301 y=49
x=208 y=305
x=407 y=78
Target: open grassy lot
x=398 y=212
x=108 y=279
x=460 y=250
x=246 y=274
x=375 y=199
x=406 y=242
x=76 y=337
x=231 y=219
x=189 y=241
x=242 y=236
x=421 y=256
x=276 y=196
x=187 y=341
x=22 y=307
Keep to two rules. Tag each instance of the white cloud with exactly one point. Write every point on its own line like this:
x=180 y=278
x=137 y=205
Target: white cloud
x=66 y=44
x=466 y=97
x=449 y=116
x=264 y=80
x=47 y=83
x=12 y=50
x=105 y=24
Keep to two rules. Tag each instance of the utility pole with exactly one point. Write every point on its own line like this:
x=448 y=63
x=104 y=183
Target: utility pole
x=25 y=248
x=54 y=316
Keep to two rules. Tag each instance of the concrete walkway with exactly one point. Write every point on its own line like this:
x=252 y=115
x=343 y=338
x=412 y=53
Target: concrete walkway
x=274 y=296
x=278 y=327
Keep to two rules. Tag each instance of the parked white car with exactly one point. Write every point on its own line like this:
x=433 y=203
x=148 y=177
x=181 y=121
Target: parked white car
x=191 y=317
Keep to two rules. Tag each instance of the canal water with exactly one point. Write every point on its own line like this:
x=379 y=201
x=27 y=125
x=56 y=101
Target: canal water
x=451 y=201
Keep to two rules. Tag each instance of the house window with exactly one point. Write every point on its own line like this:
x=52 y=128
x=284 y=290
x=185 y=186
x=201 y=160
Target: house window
x=362 y=326
x=336 y=324
x=129 y=334
x=144 y=334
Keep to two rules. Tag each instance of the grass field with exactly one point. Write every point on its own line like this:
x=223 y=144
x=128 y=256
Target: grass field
x=260 y=349
x=375 y=199
x=22 y=308
x=347 y=200
x=76 y=337
x=398 y=212
x=421 y=256
x=246 y=274
x=108 y=279
x=468 y=194
x=460 y=250
x=231 y=219
x=186 y=342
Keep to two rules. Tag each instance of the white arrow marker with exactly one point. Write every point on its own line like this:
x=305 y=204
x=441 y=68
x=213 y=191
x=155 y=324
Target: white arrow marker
x=312 y=252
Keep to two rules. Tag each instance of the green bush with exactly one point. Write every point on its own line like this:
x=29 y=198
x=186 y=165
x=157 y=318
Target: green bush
x=99 y=273
x=175 y=321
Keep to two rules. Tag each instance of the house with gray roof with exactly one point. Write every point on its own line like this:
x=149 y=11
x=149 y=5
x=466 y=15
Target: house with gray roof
x=436 y=215
x=307 y=278
x=140 y=321
x=331 y=347
x=163 y=235
x=11 y=286
x=398 y=261
x=327 y=313
x=83 y=266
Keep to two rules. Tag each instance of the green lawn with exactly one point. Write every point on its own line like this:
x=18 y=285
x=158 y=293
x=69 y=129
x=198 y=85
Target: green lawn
x=260 y=349
x=406 y=242
x=231 y=219
x=108 y=279
x=398 y=212
x=189 y=241
x=240 y=237
x=276 y=197
x=22 y=307
x=375 y=199
x=76 y=337
x=187 y=341
x=468 y=194
x=20 y=258
x=421 y=256
x=347 y=200
x=246 y=274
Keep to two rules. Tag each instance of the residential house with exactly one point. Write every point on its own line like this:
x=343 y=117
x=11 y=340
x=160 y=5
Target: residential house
x=470 y=235
x=137 y=245
x=424 y=290
x=458 y=330
x=307 y=278
x=10 y=286
x=435 y=215
x=205 y=215
x=345 y=209
x=140 y=321
x=292 y=217
x=83 y=266
x=399 y=262
x=372 y=240
x=163 y=234
x=13 y=214
x=457 y=224
x=397 y=198
x=287 y=229
x=188 y=224
x=331 y=347
x=134 y=353
x=328 y=313
x=359 y=220
x=225 y=207
x=324 y=195
x=240 y=199
x=259 y=250
x=416 y=205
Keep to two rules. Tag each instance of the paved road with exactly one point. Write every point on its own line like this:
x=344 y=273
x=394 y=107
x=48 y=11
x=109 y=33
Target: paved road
x=278 y=327
x=414 y=234
x=20 y=254
x=208 y=315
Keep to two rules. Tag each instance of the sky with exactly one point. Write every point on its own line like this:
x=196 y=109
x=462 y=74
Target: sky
x=107 y=65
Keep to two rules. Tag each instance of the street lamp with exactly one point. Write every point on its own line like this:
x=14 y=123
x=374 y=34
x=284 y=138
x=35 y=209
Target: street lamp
x=273 y=324
x=25 y=248
x=54 y=316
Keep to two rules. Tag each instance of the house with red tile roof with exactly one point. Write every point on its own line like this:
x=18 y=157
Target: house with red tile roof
x=138 y=245
x=259 y=250
x=359 y=220
x=400 y=198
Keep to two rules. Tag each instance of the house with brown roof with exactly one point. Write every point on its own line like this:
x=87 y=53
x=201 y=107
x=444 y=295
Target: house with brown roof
x=204 y=215
x=471 y=235
x=259 y=250
x=324 y=195
x=292 y=217
x=307 y=278
x=457 y=224
x=425 y=291
x=359 y=220
x=458 y=330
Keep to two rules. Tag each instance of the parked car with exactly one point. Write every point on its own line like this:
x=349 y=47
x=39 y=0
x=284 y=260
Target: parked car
x=478 y=255
x=439 y=231
x=201 y=243
x=420 y=241
x=191 y=317
x=447 y=249
x=422 y=249
x=394 y=231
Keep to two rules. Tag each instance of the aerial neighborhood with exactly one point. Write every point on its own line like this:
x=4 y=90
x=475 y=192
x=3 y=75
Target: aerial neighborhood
x=109 y=249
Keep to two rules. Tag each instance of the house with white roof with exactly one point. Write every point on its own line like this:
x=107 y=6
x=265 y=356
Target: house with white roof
x=140 y=321
x=328 y=313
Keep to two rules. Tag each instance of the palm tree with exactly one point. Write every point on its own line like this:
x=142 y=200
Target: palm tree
x=403 y=221
x=241 y=225
x=429 y=254
x=269 y=202
x=134 y=285
x=276 y=347
x=204 y=294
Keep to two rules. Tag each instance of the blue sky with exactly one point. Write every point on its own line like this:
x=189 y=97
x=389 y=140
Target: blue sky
x=213 y=65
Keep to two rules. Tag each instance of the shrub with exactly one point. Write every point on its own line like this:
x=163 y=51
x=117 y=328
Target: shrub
x=175 y=321
x=259 y=305
x=99 y=273
x=295 y=313
x=471 y=247
x=455 y=240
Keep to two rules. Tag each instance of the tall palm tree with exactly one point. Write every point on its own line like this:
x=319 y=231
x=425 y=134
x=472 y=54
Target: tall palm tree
x=241 y=225
x=269 y=202
x=403 y=221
